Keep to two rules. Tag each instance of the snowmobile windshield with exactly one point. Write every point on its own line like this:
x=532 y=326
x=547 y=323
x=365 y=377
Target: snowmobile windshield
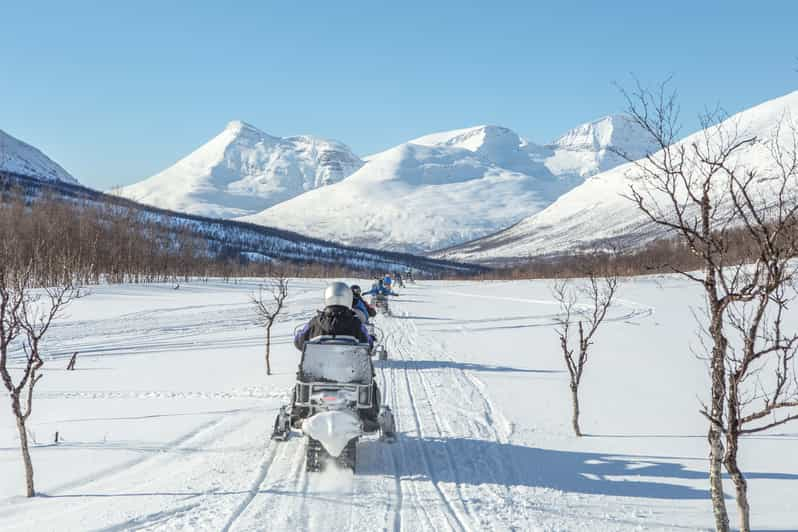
x=336 y=361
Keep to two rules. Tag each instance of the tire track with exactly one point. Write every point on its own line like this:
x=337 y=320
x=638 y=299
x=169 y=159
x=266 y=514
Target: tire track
x=267 y=503
x=263 y=471
x=400 y=507
x=497 y=439
x=420 y=503
x=436 y=421
x=494 y=463
x=390 y=451
x=199 y=437
x=452 y=513
x=132 y=465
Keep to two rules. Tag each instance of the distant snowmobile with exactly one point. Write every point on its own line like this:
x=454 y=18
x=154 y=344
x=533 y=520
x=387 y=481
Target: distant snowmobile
x=334 y=390
x=378 y=348
x=379 y=293
x=380 y=302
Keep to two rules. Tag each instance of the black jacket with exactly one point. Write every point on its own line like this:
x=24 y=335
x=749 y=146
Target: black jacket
x=332 y=321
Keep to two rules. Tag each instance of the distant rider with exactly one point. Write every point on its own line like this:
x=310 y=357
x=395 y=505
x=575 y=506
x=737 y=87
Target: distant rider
x=358 y=303
x=380 y=289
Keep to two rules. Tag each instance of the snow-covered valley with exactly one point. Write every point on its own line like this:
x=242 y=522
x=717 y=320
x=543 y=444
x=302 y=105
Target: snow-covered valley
x=165 y=423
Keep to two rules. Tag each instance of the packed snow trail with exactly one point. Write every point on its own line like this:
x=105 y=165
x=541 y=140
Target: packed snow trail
x=425 y=481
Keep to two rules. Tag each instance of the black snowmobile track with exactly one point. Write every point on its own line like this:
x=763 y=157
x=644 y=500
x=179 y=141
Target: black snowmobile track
x=317 y=458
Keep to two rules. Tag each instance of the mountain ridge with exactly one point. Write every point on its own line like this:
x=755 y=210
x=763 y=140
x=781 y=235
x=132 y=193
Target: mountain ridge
x=243 y=170
x=436 y=190
x=22 y=158
x=595 y=212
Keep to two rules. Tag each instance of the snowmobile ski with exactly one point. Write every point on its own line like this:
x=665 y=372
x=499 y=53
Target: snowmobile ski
x=282 y=425
x=387 y=424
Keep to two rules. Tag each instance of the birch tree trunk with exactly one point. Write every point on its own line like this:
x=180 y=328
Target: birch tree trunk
x=23 y=444
x=575 y=402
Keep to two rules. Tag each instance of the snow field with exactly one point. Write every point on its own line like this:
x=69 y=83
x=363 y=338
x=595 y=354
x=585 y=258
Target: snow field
x=165 y=424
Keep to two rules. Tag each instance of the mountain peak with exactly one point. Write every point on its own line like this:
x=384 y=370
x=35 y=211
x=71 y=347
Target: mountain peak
x=22 y=158
x=239 y=125
x=238 y=129
x=243 y=170
x=607 y=131
x=471 y=138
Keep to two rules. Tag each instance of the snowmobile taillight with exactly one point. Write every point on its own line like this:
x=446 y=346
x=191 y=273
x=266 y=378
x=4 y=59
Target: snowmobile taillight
x=330 y=398
x=363 y=395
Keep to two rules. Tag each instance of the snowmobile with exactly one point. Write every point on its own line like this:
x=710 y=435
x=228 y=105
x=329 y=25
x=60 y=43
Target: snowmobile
x=334 y=390
x=379 y=350
x=380 y=302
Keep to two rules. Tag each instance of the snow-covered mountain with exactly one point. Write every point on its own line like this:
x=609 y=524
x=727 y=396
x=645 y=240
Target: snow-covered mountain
x=449 y=187
x=21 y=158
x=593 y=147
x=226 y=239
x=243 y=171
x=597 y=211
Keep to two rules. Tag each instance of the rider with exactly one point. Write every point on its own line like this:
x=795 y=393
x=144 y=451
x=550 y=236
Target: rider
x=380 y=289
x=337 y=318
x=358 y=303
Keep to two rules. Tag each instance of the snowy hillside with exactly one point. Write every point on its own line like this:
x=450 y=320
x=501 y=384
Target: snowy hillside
x=20 y=158
x=596 y=210
x=230 y=237
x=165 y=423
x=449 y=187
x=243 y=171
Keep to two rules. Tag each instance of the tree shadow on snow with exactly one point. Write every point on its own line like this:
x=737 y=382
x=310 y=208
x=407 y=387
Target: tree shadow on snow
x=428 y=318
x=453 y=364
x=468 y=461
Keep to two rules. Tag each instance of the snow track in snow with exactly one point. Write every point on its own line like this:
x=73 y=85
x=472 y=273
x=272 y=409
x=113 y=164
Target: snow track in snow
x=268 y=458
x=474 y=481
x=418 y=483
x=188 y=421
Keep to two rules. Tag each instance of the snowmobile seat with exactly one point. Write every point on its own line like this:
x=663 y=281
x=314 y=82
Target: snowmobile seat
x=336 y=359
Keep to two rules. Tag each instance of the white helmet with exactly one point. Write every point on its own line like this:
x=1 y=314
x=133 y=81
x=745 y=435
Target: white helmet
x=338 y=294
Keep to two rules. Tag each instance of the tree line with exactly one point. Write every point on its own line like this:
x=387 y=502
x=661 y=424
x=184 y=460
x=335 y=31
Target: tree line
x=666 y=254
x=232 y=245
x=116 y=243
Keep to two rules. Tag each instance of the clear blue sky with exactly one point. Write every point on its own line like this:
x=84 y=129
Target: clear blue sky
x=118 y=91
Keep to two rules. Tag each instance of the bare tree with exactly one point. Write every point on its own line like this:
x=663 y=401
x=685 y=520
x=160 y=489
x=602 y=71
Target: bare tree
x=72 y=361
x=269 y=302
x=25 y=317
x=599 y=293
x=704 y=190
